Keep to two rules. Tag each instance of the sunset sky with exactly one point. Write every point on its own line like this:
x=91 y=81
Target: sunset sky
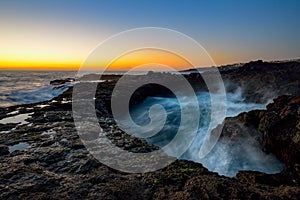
x=60 y=34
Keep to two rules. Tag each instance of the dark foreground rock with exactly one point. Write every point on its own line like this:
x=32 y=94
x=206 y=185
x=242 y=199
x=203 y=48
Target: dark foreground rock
x=277 y=128
x=56 y=165
x=44 y=157
x=275 y=131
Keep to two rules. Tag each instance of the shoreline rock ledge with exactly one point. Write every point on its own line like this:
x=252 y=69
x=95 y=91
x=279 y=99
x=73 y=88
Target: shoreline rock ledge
x=45 y=159
x=56 y=165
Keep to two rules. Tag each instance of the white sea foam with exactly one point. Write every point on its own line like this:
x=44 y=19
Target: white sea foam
x=226 y=158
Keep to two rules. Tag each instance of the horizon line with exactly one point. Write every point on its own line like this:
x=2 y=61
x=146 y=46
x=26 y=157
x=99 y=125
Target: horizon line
x=71 y=68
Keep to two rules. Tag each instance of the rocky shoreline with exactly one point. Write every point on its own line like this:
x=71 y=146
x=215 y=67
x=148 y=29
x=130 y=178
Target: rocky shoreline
x=52 y=162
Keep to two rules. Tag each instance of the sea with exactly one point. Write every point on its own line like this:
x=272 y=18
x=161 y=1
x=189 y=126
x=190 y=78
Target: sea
x=22 y=87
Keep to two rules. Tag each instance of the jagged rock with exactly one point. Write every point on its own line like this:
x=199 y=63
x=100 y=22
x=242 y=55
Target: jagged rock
x=4 y=150
x=56 y=165
x=275 y=131
x=62 y=81
x=278 y=128
x=261 y=81
x=281 y=129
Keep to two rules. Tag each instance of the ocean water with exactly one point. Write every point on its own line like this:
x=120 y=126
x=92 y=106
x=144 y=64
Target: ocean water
x=21 y=87
x=226 y=158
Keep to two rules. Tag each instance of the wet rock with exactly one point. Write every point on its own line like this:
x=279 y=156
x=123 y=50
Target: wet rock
x=276 y=128
x=281 y=131
x=275 y=131
x=4 y=150
x=263 y=81
x=56 y=164
x=62 y=81
x=50 y=155
x=88 y=166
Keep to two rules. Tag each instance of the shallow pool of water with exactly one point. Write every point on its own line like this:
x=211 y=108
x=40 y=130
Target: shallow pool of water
x=20 y=147
x=17 y=119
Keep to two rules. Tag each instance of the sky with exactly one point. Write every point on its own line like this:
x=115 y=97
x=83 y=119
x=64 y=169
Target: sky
x=60 y=34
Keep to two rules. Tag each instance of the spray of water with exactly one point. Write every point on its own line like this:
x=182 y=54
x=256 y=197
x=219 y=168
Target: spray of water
x=228 y=156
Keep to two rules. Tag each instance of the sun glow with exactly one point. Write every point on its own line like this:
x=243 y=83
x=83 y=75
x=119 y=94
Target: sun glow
x=50 y=59
x=146 y=56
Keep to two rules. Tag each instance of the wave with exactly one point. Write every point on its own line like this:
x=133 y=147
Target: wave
x=35 y=95
x=21 y=87
x=225 y=159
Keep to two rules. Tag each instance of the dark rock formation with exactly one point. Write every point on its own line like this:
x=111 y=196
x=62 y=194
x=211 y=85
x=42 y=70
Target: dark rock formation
x=3 y=150
x=261 y=81
x=56 y=165
x=62 y=81
x=278 y=128
x=275 y=130
x=281 y=129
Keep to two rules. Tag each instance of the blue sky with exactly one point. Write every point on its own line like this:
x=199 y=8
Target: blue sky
x=231 y=31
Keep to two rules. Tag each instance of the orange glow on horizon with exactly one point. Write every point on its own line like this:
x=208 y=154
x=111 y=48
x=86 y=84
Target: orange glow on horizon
x=37 y=66
x=148 y=56
x=122 y=63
